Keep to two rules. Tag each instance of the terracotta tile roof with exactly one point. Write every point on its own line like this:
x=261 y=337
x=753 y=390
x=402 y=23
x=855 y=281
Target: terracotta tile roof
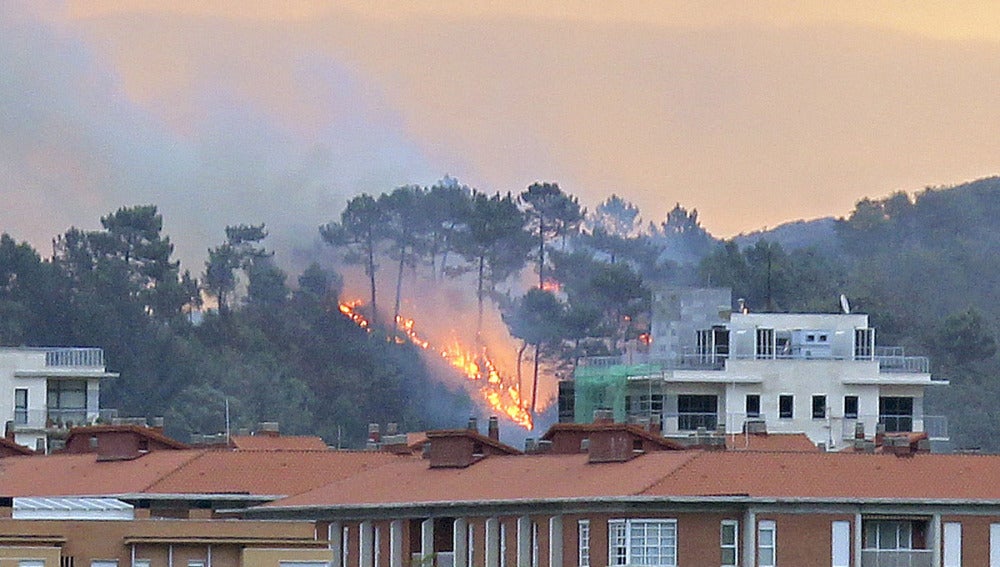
x=9 y=448
x=84 y=475
x=267 y=472
x=835 y=475
x=521 y=477
x=278 y=442
x=636 y=430
x=147 y=432
x=771 y=442
x=475 y=436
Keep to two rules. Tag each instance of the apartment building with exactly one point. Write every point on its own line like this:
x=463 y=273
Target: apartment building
x=49 y=390
x=712 y=368
x=592 y=495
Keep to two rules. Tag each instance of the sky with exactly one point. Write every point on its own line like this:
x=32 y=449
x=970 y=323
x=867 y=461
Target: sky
x=278 y=112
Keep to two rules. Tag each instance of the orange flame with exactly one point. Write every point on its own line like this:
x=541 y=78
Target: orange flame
x=499 y=391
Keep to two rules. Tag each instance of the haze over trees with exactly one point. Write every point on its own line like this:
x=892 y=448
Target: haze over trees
x=276 y=346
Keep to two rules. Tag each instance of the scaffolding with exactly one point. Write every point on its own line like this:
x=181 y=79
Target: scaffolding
x=605 y=388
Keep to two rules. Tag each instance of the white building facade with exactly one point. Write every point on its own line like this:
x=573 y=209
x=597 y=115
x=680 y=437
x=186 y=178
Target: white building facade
x=48 y=390
x=715 y=370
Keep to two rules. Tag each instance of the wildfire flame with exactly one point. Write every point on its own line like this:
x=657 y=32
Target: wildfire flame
x=499 y=391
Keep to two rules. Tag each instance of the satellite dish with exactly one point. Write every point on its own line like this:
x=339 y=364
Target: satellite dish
x=845 y=305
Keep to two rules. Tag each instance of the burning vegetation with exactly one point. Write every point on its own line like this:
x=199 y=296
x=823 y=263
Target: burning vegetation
x=497 y=389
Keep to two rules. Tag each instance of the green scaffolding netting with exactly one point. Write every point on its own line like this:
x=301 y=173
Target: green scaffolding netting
x=604 y=387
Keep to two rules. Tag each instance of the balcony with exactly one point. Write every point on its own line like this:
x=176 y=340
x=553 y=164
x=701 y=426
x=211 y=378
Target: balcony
x=74 y=357
x=51 y=419
x=896 y=558
x=894 y=359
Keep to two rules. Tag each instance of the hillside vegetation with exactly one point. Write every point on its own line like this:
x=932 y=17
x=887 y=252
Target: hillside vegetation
x=924 y=266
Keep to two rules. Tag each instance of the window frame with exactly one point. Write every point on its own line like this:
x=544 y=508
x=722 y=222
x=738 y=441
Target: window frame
x=582 y=543
x=790 y=414
x=746 y=405
x=734 y=546
x=767 y=526
x=623 y=542
x=822 y=413
x=856 y=402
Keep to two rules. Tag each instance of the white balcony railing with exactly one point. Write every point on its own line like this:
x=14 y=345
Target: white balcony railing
x=52 y=418
x=75 y=357
x=896 y=558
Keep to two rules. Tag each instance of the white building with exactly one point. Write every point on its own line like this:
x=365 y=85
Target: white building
x=714 y=369
x=48 y=390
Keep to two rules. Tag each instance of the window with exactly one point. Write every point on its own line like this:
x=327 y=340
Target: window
x=786 y=407
x=952 y=545
x=994 y=545
x=896 y=413
x=729 y=543
x=840 y=548
x=642 y=542
x=583 y=543
x=104 y=563
x=31 y=563
x=895 y=535
x=765 y=343
x=694 y=411
x=196 y=563
x=851 y=407
x=141 y=563
x=766 y=544
x=20 y=406
x=67 y=401
x=753 y=405
x=819 y=407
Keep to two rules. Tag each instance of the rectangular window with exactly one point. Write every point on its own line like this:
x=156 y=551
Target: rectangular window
x=20 y=406
x=534 y=544
x=851 y=407
x=952 y=544
x=729 y=542
x=642 y=542
x=104 y=563
x=470 y=538
x=819 y=407
x=896 y=413
x=767 y=547
x=994 y=545
x=31 y=563
x=617 y=543
x=196 y=563
x=141 y=563
x=786 y=406
x=67 y=402
x=753 y=405
x=841 y=544
x=895 y=535
x=583 y=543
x=694 y=411
x=765 y=343
x=344 y=546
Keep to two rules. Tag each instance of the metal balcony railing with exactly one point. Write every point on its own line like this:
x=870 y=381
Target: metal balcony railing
x=896 y=558
x=75 y=357
x=52 y=418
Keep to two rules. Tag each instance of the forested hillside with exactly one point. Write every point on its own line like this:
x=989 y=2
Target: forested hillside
x=568 y=283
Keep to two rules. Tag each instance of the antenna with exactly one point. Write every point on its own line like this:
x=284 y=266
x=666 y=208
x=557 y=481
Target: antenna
x=845 y=305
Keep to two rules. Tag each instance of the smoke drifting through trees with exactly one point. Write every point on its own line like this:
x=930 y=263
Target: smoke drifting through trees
x=924 y=267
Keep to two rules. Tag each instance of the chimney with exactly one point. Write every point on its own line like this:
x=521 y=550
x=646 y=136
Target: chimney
x=655 y=424
x=374 y=435
x=8 y=430
x=268 y=429
x=494 y=428
x=391 y=428
x=473 y=424
x=859 y=430
x=610 y=446
x=158 y=424
x=879 y=434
